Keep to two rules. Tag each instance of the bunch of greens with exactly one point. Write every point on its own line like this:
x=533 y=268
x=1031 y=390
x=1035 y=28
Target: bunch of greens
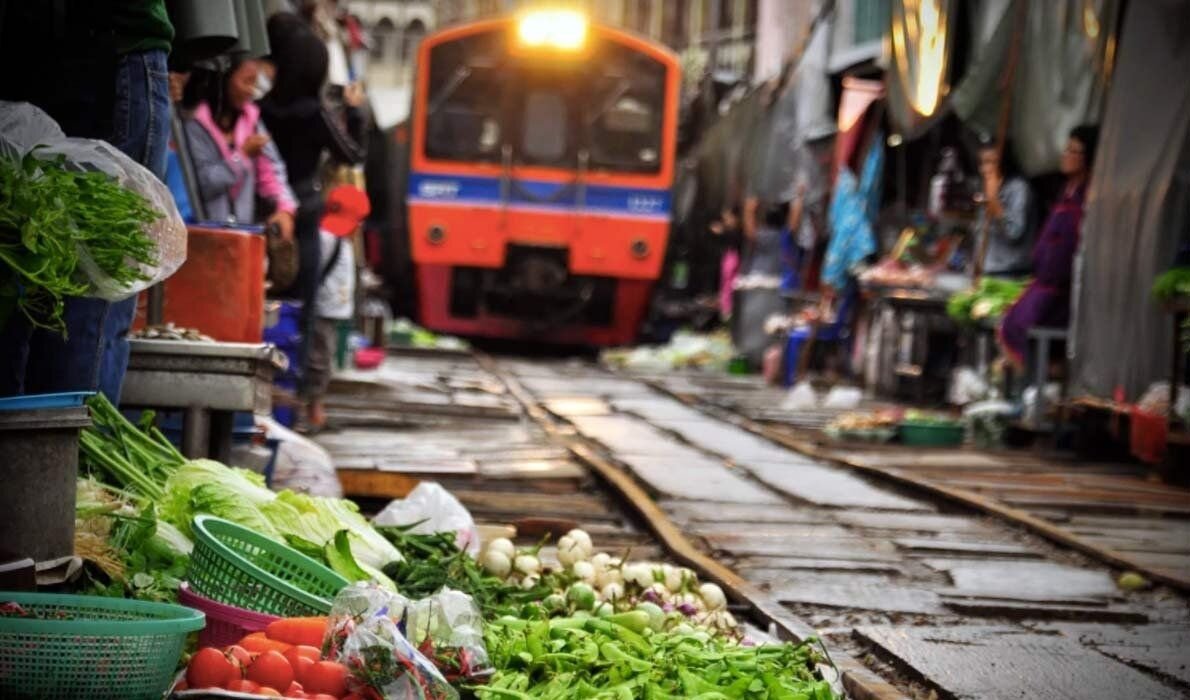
x=434 y=562
x=137 y=459
x=141 y=461
x=620 y=657
x=1171 y=284
x=129 y=550
x=50 y=218
x=989 y=300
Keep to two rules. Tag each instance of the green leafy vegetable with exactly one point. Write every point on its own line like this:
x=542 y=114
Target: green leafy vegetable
x=1172 y=284
x=988 y=301
x=50 y=218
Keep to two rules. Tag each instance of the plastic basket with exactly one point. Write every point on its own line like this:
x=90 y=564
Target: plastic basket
x=226 y=624
x=95 y=648
x=233 y=565
x=931 y=434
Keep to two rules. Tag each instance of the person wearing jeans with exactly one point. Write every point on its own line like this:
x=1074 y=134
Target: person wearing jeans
x=104 y=77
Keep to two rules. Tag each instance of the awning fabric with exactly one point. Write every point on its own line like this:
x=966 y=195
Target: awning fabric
x=1066 y=53
x=1138 y=206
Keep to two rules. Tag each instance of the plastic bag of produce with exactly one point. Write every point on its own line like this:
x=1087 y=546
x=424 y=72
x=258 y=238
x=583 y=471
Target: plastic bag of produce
x=447 y=628
x=365 y=636
x=168 y=232
x=432 y=509
x=25 y=126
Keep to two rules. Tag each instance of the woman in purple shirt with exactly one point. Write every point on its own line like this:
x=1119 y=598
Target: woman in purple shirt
x=1046 y=301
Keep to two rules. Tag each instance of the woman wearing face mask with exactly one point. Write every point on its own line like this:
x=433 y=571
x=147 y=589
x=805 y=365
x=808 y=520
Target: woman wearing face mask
x=1046 y=301
x=1007 y=216
x=234 y=158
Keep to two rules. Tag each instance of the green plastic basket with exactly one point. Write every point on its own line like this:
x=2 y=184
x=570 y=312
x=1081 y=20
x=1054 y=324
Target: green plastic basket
x=96 y=648
x=932 y=434
x=234 y=565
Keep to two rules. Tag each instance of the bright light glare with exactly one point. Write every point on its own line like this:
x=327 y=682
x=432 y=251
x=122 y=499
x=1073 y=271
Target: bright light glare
x=565 y=30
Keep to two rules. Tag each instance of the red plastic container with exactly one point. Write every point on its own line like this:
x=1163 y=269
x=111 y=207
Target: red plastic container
x=369 y=358
x=219 y=290
x=226 y=624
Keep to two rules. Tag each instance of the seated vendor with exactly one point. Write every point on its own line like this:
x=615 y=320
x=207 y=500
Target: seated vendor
x=1046 y=301
x=1007 y=216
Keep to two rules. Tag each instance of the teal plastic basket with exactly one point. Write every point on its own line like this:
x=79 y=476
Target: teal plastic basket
x=233 y=565
x=91 y=647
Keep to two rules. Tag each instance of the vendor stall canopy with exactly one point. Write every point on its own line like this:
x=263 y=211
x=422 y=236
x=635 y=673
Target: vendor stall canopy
x=1138 y=207
x=1064 y=52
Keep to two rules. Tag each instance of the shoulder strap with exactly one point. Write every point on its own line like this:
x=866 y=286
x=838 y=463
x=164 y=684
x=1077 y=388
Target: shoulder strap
x=330 y=264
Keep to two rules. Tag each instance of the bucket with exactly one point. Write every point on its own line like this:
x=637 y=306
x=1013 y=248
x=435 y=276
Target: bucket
x=39 y=454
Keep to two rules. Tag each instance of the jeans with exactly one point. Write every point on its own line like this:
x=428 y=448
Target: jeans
x=94 y=353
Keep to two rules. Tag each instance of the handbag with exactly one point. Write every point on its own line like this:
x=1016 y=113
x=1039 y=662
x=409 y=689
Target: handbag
x=283 y=258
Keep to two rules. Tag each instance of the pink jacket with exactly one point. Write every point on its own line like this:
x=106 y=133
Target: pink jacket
x=228 y=181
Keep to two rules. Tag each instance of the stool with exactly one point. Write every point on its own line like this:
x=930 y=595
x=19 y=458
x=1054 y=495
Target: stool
x=1042 y=341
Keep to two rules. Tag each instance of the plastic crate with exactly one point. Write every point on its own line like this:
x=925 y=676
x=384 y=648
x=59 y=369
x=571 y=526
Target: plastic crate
x=233 y=565
x=931 y=434
x=91 y=647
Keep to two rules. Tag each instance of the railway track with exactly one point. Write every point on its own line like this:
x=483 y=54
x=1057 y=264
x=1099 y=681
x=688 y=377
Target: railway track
x=536 y=447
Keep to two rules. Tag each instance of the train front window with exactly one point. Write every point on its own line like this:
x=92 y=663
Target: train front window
x=545 y=122
x=464 y=102
x=625 y=113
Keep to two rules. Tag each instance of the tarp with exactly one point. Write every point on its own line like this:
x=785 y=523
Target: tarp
x=1061 y=78
x=1138 y=206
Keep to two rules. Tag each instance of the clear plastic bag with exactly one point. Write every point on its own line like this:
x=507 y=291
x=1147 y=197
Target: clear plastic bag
x=365 y=636
x=435 y=510
x=168 y=232
x=25 y=126
x=447 y=628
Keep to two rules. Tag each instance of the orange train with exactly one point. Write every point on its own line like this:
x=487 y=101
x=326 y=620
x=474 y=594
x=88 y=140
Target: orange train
x=540 y=167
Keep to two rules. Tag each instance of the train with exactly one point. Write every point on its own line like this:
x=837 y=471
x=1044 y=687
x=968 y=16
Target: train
x=540 y=163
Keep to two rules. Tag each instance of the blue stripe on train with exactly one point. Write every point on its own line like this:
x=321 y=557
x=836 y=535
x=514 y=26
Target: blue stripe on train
x=486 y=190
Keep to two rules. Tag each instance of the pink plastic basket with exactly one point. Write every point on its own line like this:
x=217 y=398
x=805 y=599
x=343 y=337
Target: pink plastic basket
x=226 y=624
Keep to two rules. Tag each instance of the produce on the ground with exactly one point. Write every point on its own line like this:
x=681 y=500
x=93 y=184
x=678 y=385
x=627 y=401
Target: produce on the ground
x=148 y=470
x=621 y=656
x=263 y=663
x=988 y=301
x=135 y=553
x=54 y=220
x=598 y=583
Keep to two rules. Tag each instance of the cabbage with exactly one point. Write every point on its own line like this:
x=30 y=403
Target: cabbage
x=205 y=486
x=317 y=519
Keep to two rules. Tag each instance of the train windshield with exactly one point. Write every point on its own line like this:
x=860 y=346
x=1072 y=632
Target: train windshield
x=610 y=106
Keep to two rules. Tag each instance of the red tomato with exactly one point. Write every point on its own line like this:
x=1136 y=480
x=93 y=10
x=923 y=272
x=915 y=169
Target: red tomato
x=271 y=670
x=326 y=677
x=294 y=687
x=296 y=694
x=322 y=696
x=240 y=655
x=301 y=659
x=209 y=668
x=311 y=653
x=243 y=686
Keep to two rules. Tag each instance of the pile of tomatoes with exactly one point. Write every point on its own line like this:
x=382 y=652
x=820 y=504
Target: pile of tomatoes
x=275 y=663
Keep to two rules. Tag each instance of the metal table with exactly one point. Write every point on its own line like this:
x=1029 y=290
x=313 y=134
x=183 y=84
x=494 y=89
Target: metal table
x=209 y=382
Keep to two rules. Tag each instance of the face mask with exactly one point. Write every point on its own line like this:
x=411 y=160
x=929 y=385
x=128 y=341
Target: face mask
x=263 y=85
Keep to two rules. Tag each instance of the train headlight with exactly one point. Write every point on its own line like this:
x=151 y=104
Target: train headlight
x=565 y=30
x=640 y=249
x=436 y=235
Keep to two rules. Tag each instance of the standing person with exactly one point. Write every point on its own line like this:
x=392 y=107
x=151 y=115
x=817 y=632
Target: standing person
x=1046 y=301
x=346 y=208
x=1007 y=216
x=304 y=130
x=234 y=158
x=731 y=238
x=100 y=72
